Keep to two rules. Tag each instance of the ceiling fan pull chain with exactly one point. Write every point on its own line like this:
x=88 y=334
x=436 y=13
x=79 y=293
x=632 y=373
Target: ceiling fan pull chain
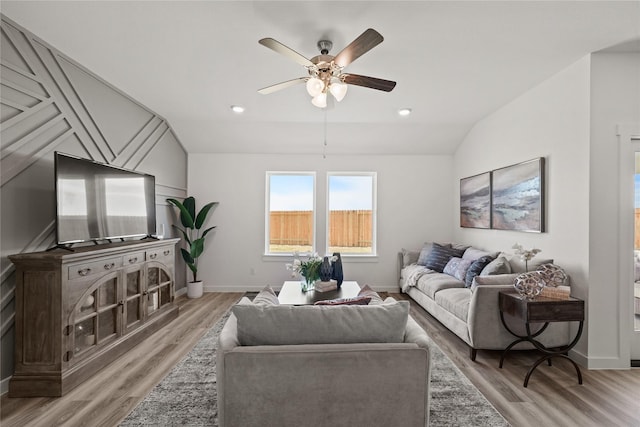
x=324 y=147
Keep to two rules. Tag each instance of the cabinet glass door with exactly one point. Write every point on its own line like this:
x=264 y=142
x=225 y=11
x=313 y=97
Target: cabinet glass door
x=133 y=299
x=158 y=287
x=95 y=317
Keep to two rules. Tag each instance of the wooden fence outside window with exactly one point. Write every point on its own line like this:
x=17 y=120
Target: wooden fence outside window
x=352 y=228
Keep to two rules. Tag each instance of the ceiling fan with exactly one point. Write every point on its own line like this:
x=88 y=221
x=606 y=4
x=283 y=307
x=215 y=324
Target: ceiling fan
x=325 y=71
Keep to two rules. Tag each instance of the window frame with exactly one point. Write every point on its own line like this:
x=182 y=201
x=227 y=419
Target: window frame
x=374 y=212
x=267 y=212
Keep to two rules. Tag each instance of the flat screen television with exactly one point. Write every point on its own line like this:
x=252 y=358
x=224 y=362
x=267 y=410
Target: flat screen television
x=96 y=202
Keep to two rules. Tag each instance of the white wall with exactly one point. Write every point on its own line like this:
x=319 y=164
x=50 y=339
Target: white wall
x=551 y=120
x=571 y=120
x=615 y=99
x=414 y=204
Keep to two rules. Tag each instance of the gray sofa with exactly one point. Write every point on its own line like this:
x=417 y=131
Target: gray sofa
x=323 y=366
x=470 y=308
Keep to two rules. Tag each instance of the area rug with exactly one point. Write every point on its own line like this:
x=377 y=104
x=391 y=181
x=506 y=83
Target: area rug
x=187 y=395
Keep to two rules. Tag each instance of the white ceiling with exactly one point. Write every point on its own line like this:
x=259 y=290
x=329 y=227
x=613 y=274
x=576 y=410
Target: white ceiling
x=455 y=63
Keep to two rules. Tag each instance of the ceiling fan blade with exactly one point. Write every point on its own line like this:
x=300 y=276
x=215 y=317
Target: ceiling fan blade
x=286 y=51
x=370 y=82
x=363 y=44
x=278 y=86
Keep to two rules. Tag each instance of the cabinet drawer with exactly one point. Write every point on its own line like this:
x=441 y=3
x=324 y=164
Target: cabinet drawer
x=161 y=254
x=96 y=267
x=133 y=258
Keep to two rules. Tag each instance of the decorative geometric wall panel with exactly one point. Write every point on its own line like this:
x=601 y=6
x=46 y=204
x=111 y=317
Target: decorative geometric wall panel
x=51 y=103
x=167 y=147
x=115 y=115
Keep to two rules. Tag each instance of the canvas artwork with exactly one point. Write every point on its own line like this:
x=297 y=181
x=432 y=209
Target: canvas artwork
x=518 y=197
x=475 y=201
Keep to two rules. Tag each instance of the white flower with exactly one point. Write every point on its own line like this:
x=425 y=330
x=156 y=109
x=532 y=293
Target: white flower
x=525 y=254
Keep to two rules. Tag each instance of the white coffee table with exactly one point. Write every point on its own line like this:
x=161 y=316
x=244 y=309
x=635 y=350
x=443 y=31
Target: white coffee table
x=291 y=293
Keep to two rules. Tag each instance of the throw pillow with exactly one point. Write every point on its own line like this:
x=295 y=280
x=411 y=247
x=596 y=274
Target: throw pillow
x=409 y=257
x=499 y=265
x=317 y=324
x=475 y=269
x=457 y=267
x=474 y=254
x=440 y=256
x=424 y=253
x=366 y=291
x=360 y=300
x=266 y=297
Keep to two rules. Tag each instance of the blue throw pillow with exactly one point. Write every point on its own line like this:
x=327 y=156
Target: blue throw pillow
x=440 y=256
x=475 y=269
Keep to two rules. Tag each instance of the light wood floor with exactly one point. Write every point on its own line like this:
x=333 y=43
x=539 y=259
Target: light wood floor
x=553 y=398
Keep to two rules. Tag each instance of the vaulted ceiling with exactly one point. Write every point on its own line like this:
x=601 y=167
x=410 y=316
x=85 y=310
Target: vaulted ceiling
x=454 y=63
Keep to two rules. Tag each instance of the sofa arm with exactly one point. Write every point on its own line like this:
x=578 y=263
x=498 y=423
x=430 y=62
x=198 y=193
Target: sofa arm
x=415 y=334
x=486 y=330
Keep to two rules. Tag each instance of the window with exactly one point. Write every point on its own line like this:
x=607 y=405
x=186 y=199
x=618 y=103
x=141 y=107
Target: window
x=290 y=219
x=351 y=219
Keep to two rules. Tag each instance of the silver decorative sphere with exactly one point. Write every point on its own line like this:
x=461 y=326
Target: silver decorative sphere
x=553 y=275
x=529 y=285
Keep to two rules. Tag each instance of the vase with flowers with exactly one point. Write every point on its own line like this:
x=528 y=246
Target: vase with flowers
x=526 y=255
x=308 y=268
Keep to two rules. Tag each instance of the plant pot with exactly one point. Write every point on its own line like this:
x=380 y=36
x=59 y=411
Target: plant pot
x=194 y=289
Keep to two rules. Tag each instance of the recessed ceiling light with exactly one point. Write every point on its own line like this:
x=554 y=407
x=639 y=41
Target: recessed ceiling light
x=404 y=111
x=237 y=109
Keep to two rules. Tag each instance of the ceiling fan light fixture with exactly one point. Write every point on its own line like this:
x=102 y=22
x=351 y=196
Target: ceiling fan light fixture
x=320 y=100
x=338 y=89
x=315 y=86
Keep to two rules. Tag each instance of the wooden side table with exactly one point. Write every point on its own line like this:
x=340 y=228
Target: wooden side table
x=541 y=310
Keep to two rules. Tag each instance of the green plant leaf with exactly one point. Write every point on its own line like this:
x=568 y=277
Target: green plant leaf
x=204 y=233
x=188 y=258
x=195 y=271
x=202 y=215
x=190 y=204
x=197 y=247
x=185 y=217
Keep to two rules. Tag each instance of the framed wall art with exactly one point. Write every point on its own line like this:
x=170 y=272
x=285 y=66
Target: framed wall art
x=517 y=201
x=475 y=201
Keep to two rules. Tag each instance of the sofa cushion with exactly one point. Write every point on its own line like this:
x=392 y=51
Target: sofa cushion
x=431 y=283
x=455 y=301
x=457 y=267
x=266 y=297
x=440 y=256
x=476 y=268
x=317 y=324
x=366 y=291
x=499 y=265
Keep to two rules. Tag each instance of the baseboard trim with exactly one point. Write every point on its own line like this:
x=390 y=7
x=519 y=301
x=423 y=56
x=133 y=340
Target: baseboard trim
x=181 y=291
x=4 y=386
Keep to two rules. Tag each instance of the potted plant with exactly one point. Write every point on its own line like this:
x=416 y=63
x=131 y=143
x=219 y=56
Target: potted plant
x=194 y=237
